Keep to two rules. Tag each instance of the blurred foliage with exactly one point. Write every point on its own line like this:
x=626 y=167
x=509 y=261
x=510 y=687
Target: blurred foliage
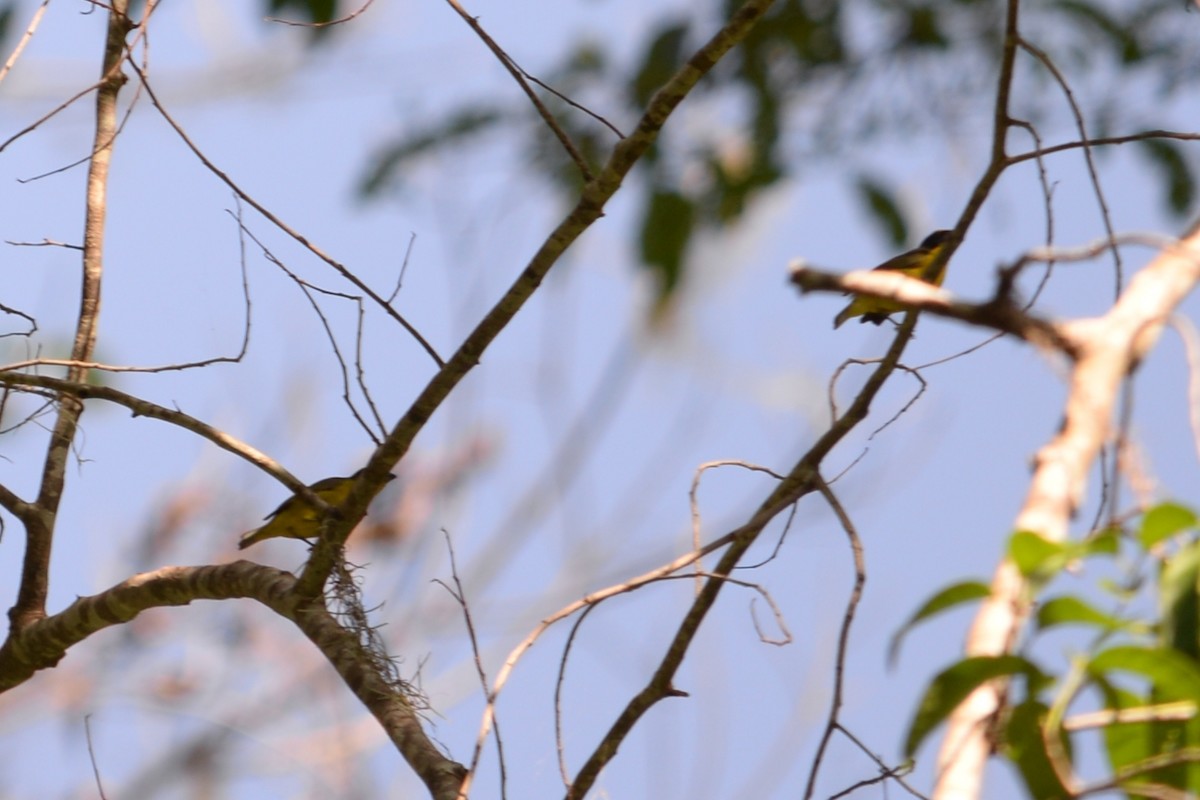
x=6 y=18
x=1175 y=171
x=881 y=204
x=314 y=11
x=666 y=228
x=813 y=83
x=1136 y=664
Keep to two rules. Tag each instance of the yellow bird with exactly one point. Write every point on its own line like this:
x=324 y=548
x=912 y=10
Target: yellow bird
x=912 y=263
x=296 y=518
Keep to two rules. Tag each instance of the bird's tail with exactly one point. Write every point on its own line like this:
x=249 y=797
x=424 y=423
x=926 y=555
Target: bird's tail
x=251 y=537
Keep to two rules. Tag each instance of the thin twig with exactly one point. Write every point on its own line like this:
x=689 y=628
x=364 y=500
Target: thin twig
x=35 y=571
x=560 y=679
x=1132 y=137
x=839 y=666
x=87 y=729
x=144 y=408
x=518 y=76
x=1093 y=173
x=694 y=504
x=412 y=240
x=26 y=37
x=308 y=288
x=459 y=594
x=896 y=773
x=319 y=25
x=795 y=485
x=279 y=223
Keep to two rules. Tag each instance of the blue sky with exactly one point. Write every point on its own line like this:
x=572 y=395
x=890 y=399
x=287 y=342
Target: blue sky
x=739 y=371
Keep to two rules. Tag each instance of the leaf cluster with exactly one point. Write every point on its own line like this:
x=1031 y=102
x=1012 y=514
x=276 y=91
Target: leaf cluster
x=1135 y=680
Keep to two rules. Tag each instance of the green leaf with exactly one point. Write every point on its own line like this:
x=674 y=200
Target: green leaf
x=948 y=598
x=1105 y=543
x=1164 y=521
x=952 y=685
x=1025 y=746
x=665 y=233
x=881 y=204
x=1035 y=556
x=1173 y=675
x=1130 y=744
x=1070 y=610
x=1126 y=743
x=1179 y=600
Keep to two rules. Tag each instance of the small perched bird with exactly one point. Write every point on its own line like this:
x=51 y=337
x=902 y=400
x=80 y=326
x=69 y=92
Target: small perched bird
x=296 y=518
x=912 y=263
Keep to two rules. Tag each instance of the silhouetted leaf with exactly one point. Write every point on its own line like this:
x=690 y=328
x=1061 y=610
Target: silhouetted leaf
x=924 y=29
x=946 y=599
x=952 y=685
x=316 y=11
x=665 y=234
x=6 y=15
x=1179 y=600
x=382 y=171
x=1176 y=173
x=882 y=206
x=1119 y=33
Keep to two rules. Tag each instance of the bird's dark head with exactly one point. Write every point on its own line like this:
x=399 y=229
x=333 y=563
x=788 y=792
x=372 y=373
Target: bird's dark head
x=936 y=239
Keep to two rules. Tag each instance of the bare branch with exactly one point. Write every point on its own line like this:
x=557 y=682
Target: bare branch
x=144 y=408
x=35 y=572
x=1143 y=136
x=87 y=726
x=42 y=644
x=16 y=506
x=459 y=594
x=1000 y=313
x=587 y=210
x=800 y=481
x=26 y=37
x=1179 y=711
x=33 y=326
x=839 y=668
